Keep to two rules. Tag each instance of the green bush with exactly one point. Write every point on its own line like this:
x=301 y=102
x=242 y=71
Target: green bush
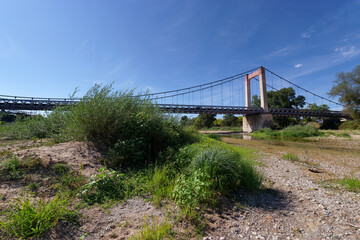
x=69 y=182
x=221 y=166
x=300 y=131
x=27 y=128
x=60 y=168
x=27 y=218
x=132 y=129
x=104 y=186
x=224 y=165
x=214 y=136
x=297 y=131
x=265 y=133
x=11 y=169
x=350 y=125
x=192 y=191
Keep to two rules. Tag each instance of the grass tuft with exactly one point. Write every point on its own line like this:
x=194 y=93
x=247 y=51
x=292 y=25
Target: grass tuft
x=27 y=218
x=351 y=184
x=154 y=231
x=291 y=157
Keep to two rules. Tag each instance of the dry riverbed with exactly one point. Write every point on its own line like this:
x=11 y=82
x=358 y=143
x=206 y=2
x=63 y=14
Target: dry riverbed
x=300 y=200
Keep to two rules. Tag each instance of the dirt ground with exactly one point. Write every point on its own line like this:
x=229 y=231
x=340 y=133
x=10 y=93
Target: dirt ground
x=298 y=201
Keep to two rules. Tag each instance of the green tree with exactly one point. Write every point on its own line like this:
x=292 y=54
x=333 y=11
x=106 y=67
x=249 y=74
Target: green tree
x=331 y=123
x=314 y=106
x=205 y=120
x=347 y=88
x=230 y=120
x=283 y=98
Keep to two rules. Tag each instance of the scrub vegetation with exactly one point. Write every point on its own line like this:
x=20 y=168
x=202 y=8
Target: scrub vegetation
x=146 y=153
x=297 y=131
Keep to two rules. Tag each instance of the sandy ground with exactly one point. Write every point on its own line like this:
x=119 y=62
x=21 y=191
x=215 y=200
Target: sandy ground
x=295 y=204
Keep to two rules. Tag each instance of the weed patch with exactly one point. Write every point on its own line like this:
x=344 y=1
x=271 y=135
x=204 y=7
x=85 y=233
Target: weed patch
x=11 y=169
x=154 y=230
x=104 y=186
x=351 y=184
x=27 y=218
x=291 y=157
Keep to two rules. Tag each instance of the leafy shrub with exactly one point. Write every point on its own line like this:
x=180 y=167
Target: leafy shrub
x=222 y=166
x=350 y=125
x=11 y=169
x=60 y=168
x=191 y=191
x=27 y=128
x=69 y=182
x=265 y=133
x=104 y=186
x=28 y=218
x=132 y=129
x=300 y=131
x=297 y=131
x=214 y=136
x=33 y=186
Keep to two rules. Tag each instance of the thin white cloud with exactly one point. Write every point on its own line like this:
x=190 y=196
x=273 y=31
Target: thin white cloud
x=317 y=63
x=348 y=51
x=298 y=65
x=306 y=35
x=279 y=53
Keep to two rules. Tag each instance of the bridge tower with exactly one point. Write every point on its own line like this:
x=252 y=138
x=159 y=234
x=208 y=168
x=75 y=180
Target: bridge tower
x=254 y=122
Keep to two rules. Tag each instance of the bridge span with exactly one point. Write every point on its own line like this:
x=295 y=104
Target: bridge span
x=224 y=96
x=48 y=104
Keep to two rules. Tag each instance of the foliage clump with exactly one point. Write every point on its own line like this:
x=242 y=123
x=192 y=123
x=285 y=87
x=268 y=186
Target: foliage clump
x=213 y=167
x=297 y=131
x=28 y=218
x=354 y=125
x=131 y=129
x=347 y=88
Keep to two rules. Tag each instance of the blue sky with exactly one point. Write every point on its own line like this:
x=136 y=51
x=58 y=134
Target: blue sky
x=48 y=48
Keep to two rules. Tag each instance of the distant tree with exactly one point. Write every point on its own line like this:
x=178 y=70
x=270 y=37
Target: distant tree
x=217 y=122
x=186 y=121
x=205 y=120
x=314 y=106
x=283 y=98
x=347 y=88
x=255 y=102
x=7 y=117
x=230 y=120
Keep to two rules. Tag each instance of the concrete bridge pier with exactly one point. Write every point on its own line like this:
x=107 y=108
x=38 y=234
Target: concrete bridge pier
x=254 y=122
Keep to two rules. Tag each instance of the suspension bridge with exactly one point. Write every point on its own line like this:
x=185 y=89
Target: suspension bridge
x=228 y=95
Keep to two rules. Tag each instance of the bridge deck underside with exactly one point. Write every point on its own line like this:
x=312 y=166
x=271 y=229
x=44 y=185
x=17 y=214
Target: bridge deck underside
x=41 y=105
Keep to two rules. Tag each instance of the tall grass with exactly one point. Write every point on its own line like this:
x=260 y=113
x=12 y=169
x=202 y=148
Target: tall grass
x=291 y=157
x=351 y=184
x=213 y=167
x=154 y=231
x=27 y=218
x=297 y=131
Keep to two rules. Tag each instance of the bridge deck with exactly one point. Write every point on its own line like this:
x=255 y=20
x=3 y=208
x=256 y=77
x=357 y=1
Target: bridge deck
x=49 y=104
